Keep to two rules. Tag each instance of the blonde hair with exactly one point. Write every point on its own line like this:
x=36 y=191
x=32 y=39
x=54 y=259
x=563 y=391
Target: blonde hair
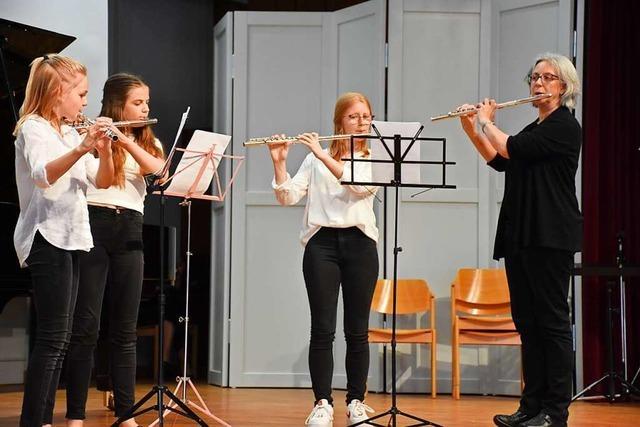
x=340 y=148
x=567 y=73
x=47 y=77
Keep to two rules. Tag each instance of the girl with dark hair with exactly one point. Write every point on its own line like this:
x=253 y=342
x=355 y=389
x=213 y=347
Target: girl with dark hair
x=116 y=261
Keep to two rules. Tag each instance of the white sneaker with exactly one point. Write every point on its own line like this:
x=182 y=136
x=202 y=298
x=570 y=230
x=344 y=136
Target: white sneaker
x=322 y=415
x=357 y=411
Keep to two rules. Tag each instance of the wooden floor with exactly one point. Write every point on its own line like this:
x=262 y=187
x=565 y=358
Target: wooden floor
x=290 y=407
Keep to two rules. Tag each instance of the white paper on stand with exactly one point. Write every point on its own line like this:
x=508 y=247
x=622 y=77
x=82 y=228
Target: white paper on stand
x=383 y=172
x=194 y=158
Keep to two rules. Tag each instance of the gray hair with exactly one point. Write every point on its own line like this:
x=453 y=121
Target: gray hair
x=567 y=73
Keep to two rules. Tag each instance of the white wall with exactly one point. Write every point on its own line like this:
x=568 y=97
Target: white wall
x=87 y=21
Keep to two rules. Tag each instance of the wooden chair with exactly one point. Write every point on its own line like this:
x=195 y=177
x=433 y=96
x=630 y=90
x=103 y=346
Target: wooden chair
x=480 y=314
x=414 y=297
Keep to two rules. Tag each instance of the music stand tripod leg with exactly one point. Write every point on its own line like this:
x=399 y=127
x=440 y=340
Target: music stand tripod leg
x=589 y=387
x=635 y=377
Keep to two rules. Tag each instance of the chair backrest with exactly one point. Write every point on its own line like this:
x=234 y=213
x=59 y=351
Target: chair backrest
x=414 y=296
x=480 y=291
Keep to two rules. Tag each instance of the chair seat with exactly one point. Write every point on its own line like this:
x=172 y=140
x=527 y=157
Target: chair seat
x=377 y=335
x=469 y=336
x=485 y=323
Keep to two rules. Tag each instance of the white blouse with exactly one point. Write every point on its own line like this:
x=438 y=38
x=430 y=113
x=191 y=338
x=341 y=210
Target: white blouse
x=59 y=210
x=329 y=203
x=131 y=196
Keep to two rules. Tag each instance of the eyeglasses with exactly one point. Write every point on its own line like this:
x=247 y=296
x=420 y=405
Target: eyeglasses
x=546 y=77
x=355 y=118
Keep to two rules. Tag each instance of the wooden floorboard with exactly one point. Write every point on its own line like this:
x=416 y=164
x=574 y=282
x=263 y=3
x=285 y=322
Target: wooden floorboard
x=290 y=407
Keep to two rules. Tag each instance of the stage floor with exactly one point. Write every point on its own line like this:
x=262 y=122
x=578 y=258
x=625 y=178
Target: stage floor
x=290 y=407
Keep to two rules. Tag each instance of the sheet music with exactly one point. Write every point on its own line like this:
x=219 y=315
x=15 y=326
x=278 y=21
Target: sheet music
x=194 y=160
x=383 y=172
x=167 y=163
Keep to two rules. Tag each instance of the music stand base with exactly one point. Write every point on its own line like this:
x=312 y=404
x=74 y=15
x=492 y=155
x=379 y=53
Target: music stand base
x=393 y=413
x=183 y=382
x=160 y=392
x=628 y=388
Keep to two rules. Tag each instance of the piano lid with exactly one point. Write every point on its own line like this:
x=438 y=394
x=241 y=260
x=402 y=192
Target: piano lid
x=20 y=44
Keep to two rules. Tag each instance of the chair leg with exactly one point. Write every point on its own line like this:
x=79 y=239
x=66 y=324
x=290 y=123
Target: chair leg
x=455 y=369
x=434 y=371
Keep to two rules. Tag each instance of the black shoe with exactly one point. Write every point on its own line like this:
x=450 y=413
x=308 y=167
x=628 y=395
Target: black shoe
x=543 y=420
x=513 y=420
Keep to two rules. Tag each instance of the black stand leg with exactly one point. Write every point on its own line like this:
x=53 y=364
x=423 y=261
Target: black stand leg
x=635 y=377
x=159 y=390
x=611 y=375
x=394 y=412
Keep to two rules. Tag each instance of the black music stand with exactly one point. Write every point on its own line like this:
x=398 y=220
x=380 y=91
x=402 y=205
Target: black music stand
x=159 y=390
x=397 y=157
x=620 y=271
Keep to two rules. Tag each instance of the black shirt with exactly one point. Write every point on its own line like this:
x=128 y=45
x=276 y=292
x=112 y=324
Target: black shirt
x=539 y=207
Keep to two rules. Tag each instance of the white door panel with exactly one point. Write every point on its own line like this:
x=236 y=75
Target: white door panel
x=220 y=212
x=282 y=85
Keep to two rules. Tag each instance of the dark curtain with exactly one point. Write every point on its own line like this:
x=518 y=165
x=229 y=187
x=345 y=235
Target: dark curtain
x=610 y=177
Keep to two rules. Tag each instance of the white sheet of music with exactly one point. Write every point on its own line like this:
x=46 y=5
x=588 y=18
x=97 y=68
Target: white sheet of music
x=383 y=172
x=193 y=159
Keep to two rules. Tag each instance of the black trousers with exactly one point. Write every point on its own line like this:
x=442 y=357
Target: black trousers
x=54 y=274
x=539 y=285
x=116 y=262
x=334 y=257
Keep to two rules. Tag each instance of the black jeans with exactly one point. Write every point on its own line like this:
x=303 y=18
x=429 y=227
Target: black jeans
x=539 y=285
x=54 y=274
x=117 y=262
x=334 y=257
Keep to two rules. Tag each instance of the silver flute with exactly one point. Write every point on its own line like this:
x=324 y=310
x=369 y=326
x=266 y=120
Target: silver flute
x=85 y=123
x=513 y=103
x=277 y=140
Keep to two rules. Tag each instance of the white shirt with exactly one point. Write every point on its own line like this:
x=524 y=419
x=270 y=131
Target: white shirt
x=58 y=210
x=329 y=203
x=131 y=196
